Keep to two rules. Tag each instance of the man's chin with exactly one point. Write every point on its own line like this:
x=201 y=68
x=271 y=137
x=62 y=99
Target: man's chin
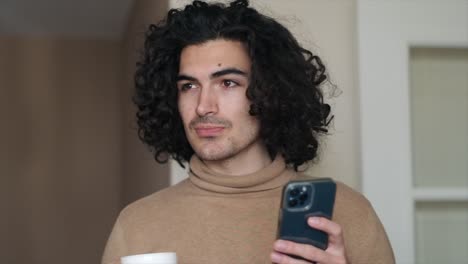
x=210 y=155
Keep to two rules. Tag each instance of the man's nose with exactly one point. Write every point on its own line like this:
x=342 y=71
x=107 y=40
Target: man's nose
x=207 y=102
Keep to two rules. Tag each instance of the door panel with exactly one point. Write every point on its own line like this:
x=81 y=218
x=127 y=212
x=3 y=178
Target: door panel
x=414 y=150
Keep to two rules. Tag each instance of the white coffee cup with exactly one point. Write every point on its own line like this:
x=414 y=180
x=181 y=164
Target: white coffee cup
x=153 y=258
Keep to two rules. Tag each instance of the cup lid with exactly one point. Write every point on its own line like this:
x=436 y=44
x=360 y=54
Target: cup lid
x=152 y=258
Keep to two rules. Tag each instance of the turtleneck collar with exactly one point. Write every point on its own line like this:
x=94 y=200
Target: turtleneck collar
x=271 y=177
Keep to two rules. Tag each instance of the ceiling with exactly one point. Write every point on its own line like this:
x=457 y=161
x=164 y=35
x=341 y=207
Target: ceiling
x=88 y=18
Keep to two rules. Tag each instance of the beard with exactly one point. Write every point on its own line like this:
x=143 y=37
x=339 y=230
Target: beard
x=233 y=141
x=225 y=147
x=216 y=149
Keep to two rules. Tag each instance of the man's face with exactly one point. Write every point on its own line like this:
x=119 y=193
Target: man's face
x=212 y=83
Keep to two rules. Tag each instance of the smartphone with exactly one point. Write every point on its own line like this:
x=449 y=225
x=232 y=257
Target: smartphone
x=302 y=199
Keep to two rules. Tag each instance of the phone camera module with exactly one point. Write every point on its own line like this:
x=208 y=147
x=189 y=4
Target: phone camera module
x=298 y=196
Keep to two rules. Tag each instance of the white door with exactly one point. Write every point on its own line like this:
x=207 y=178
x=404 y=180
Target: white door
x=413 y=71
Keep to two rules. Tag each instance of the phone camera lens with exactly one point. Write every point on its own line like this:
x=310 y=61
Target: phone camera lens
x=294 y=192
x=303 y=197
x=292 y=202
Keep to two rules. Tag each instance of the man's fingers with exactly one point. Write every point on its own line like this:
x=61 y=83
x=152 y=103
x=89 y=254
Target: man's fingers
x=334 y=230
x=302 y=250
x=280 y=258
x=335 y=252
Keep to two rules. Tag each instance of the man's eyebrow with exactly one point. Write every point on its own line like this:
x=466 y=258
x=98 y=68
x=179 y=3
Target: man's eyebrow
x=183 y=77
x=228 y=71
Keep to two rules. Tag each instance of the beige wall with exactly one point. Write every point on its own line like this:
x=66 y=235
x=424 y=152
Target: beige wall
x=62 y=131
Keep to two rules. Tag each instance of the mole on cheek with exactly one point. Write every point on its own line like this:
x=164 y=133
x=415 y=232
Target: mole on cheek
x=219 y=64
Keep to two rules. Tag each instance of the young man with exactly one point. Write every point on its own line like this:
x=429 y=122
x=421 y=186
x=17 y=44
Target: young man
x=232 y=92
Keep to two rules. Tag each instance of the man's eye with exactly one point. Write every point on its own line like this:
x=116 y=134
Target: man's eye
x=229 y=83
x=187 y=86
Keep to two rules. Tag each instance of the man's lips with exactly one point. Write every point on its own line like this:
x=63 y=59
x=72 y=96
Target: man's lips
x=209 y=131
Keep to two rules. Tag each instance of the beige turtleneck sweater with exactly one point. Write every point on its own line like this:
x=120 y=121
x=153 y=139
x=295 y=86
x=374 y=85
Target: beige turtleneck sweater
x=212 y=218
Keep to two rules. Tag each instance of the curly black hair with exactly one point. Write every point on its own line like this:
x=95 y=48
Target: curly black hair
x=284 y=88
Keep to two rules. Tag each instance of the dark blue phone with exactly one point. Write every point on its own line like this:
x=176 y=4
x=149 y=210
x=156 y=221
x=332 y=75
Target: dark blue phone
x=302 y=199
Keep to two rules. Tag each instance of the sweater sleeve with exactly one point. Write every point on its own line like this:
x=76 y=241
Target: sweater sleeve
x=365 y=238
x=116 y=246
x=376 y=246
